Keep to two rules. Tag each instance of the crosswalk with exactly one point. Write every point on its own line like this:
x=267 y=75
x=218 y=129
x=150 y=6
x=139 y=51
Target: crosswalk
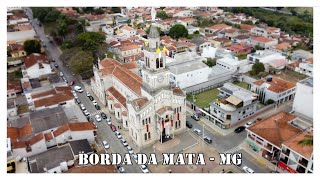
x=233 y=150
x=95 y=113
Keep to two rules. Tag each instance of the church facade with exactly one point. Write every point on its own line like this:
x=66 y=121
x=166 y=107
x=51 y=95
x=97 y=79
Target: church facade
x=149 y=107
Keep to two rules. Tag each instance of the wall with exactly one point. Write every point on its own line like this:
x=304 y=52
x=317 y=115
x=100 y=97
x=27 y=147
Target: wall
x=35 y=72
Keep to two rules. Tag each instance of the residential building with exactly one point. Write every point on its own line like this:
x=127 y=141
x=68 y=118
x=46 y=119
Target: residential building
x=216 y=28
x=13 y=88
x=36 y=66
x=12 y=109
x=306 y=67
x=129 y=31
x=233 y=105
x=263 y=42
x=240 y=48
x=296 y=157
x=303 y=101
x=200 y=43
x=128 y=52
x=221 y=42
x=264 y=56
x=301 y=55
x=267 y=136
x=275 y=89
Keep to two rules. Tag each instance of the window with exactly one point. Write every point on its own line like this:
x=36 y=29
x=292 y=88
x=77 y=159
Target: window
x=149 y=120
x=149 y=135
x=118 y=114
x=157 y=63
x=161 y=62
x=142 y=121
x=145 y=136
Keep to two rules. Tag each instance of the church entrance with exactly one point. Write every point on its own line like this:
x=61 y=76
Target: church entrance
x=165 y=134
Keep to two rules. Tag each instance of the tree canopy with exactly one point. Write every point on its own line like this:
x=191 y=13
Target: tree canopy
x=32 y=46
x=81 y=62
x=162 y=15
x=177 y=31
x=257 y=68
x=90 y=40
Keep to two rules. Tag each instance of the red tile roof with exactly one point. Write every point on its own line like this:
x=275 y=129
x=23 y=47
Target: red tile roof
x=276 y=128
x=14 y=85
x=35 y=139
x=305 y=151
x=117 y=95
x=219 y=26
x=261 y=39
x=34 y=58
x=82 y=126
x=276 y=85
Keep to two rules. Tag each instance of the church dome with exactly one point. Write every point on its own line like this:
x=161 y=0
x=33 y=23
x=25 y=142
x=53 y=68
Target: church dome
x=154 y=33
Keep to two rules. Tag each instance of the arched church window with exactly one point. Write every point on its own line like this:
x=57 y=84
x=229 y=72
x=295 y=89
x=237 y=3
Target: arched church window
x=161 y=62
x=157 y=62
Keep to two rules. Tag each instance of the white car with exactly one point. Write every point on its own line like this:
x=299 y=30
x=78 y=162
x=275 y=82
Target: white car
x=119 y=136
x=130 y=150
x=75 y=94
x=248 y=170
x=86 y=112
x=248 y=124
x=94 y=102
x=109 y=122
x=61 y=74
x=98 y=118
x=105 y=144
x=124 y=142
x=78 y=89
x=82 y=107
x=88 y=94
x=121 y=169
x=135 y=157
x=144 y=169
x=197 y=131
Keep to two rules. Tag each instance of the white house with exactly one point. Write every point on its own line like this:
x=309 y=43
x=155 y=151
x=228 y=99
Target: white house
x=303 y=101
x=263 y=42
x=129 y=31
x=264 y=56
x=36 y=65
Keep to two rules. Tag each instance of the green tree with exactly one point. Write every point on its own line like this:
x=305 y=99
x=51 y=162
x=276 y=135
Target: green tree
x=90 y=40
x=257 y=68
x=81 y=62
x=62 y=28
x=177 y=31
x=52 y=16
x=32 y=46
x=162 y=15
x=41 y=12
x=307 y=141
x=269 y=101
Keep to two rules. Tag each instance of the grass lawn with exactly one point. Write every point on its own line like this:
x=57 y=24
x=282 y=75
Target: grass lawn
x=23 y=109
x=242 y=56
x=203 y=99
x=241 y=84
x=49 y=27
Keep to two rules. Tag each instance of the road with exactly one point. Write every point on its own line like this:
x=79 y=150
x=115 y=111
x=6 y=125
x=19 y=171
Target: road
x=104 y=131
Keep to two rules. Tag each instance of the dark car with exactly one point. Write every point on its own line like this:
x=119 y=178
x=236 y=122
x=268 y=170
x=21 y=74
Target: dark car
x=77 y=101
x=53 y=60
x=71 y=83
x=207 y=139
x=113 y=128
x=188 y=124
x=91 y=98
x=103 y=115
x=89 y=119
x=239 y=129
x=97 y=107
x=56 y=65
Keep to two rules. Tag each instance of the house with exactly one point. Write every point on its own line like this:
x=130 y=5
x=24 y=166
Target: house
x=182 y=13
x=247 y=27
x=303 y=101
x=264 y=56
x=230 y=33
x=275 y=66
x=54 y=160
x=128 y=31
x=12 y=109
x=266 y=137
x=221 y=42
x=300 y=55
x=263 y=42
x=13 y=88
x=50 y=97
x=259 y=31
x=275 y=89
x=186 y=21
x=200 y=43
x=36 y=65
x=240 y=48
x=108 y=30
x=17 y=50
x=273 y=32
x=216 y=28
x=295 y=157
x=306 y=67
x=192 y=29
x=128 y=52
x=241 y=39
x=282 y=48
x=233 y=105
x=20 y=36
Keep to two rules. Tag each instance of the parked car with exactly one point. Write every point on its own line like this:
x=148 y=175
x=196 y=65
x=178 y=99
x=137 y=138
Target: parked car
x=109 y=123
x=124 y=142
x=207 y=139
x=239 y=129
x=82 y=107
x=56 y=65
x=91 y=98
x=188 y=124
x=113 y=127
x=195 y=117
x=119 y=136
x=135 y=157
x=94 y=102
x=86 y=113
x=78 y=89
x=197 y=131
x=88 y=94
x=97 y=107
x=121 y=169
x=248 y=170
x=65 y=80
x=144 y=169
x=248 y=124
x=105 y=144
x=130 y=150
x=103 y=115
x=98 y=118
x=77 y=100
x=53 y=60
x=71 y=83
x=61 y=74
x=89 y=119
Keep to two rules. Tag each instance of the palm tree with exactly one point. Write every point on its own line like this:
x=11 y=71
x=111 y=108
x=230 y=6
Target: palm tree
x=307 y=141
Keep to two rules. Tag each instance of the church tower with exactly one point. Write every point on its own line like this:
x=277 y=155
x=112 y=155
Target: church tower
x=155 y=73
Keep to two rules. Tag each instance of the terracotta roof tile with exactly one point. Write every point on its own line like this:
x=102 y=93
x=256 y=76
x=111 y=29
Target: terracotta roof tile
x=18 y=145
x=48 y=136
x=35 y=58
x=14 y=85
x=60 y=130
x=140 y=102
x=219 y=26
x=305 y=151
x=82 y=126
x=35 y=139
x=276 y=128
x=276 y=85
x=117 y=105
x=117 y=95
x=261 y=39
x=55 y=99
x=164 y=109
x=246 y=26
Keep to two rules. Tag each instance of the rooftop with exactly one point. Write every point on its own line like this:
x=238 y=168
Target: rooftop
x=307 y=82
x=80 y=146
x=305 y=151
x=276 y=128
x=276 y=85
